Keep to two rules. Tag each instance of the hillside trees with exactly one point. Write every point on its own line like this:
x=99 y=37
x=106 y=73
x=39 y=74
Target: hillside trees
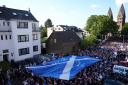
x=98 y=26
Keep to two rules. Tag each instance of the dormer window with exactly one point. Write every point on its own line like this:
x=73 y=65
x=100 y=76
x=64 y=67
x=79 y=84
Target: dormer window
x=14 y=13
x=26 y=14
x=0 y=12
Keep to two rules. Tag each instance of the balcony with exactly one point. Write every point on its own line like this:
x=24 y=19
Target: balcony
x=3 y=29
x=35 y=29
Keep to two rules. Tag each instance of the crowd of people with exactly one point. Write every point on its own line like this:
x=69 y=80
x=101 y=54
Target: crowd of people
x=116 y=43
x=95 y=74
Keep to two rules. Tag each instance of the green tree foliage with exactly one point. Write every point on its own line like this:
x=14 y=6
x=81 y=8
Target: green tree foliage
x=100 y=25
x=48 y=23
x=125 y=30
x=90 y=40
x=43 y=34
x=4 y=65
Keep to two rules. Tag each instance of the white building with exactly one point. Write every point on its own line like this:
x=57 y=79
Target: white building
x=78 y=31
x=19 y=34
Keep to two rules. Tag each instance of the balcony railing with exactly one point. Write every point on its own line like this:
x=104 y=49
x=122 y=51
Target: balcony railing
x=5 y=30
x=35 y=30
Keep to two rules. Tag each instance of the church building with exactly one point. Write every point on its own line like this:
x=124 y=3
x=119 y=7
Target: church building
x=120 y=18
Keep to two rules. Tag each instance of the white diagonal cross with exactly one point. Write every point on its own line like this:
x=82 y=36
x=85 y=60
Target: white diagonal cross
x=66 y=72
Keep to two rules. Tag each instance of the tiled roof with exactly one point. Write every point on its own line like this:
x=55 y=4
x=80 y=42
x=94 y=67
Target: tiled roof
x=65 y=36
x=9 y=13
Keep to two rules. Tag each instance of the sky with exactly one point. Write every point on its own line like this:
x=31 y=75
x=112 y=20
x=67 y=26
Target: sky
x=67 y=12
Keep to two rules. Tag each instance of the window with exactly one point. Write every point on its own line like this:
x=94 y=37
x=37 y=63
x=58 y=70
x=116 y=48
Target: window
x=26 y=14
x=0 y=12
x=5 y=51
x=35 y=37
x=6 y=37
x=1 y=37
x=33 y=26
x=3 y=23
x=14 y=13
x=22 y=25
x=23 y=38
x=35 y=48
x=23 y=51
x=10 y=37
x=8 y=23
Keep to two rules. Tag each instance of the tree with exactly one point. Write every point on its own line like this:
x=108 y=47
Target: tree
x=4 y=65
x=43 y=34
x=90 y=40
x=48 y=23
x=99 y=25
x=125 y=30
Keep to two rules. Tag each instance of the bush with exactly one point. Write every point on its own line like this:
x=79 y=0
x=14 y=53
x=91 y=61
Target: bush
x=4 y=65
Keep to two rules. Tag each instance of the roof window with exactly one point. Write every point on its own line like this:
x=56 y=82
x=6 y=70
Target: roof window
x=26 y=14
x=14 y=13
x=0 y=12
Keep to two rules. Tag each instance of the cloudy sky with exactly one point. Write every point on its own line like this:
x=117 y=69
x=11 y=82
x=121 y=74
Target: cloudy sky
x=67 y=12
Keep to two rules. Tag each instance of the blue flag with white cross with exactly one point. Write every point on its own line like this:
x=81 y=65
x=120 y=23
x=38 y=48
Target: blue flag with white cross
x=63 y=68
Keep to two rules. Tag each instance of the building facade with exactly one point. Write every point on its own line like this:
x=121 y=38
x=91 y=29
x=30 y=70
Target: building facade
x=19 y=35
x=63 y=42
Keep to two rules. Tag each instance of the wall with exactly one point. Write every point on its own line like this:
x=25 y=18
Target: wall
x=5 y=44
x=18 y=45
x=6 y=27
x=49 y=31
x=56 y=28
x=37 y=42
x=13 y=45
x=80 y=34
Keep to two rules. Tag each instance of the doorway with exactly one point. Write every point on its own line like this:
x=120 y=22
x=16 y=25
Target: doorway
x=5 y=55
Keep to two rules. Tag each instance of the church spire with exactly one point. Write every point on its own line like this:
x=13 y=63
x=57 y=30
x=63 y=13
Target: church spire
x=121 y=17
x=110 y=14
x=122 y=11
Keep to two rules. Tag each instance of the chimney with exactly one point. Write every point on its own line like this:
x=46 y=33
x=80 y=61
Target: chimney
x=4 y=6
x=28 y=9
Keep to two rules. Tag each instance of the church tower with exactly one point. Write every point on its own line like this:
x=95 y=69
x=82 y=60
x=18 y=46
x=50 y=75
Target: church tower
x=110 y=14
x=121 y=18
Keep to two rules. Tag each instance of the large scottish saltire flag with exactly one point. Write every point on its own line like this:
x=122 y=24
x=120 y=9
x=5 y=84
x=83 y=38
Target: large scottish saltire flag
x=63 y=68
